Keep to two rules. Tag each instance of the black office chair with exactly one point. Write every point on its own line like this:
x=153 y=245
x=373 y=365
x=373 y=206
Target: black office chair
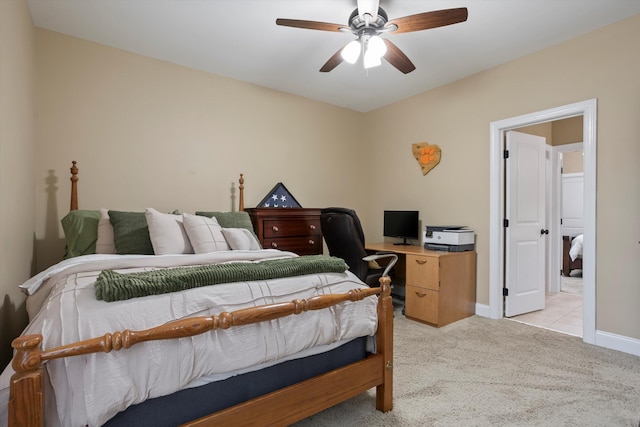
x=343 y=234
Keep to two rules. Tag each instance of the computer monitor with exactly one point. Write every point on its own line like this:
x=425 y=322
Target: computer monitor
x=402 y=224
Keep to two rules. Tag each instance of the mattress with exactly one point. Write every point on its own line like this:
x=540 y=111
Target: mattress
x=89 y=390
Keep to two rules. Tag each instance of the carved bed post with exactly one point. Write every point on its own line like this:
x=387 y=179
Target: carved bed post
x=384 y=344
x=74 y=187
x=241 y=199
x=26 y=398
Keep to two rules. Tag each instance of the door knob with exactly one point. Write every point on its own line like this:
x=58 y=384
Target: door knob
x=543 y=231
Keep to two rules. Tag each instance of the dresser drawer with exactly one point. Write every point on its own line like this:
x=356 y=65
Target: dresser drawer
x=288 y=229
x=423 y=271
x=422 y=304
x=291 y=227
x=309 y=245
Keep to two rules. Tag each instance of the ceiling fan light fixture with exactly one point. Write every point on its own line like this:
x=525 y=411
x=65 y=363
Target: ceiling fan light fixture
x=351 y=52
x=377 y=46
x=371 y=59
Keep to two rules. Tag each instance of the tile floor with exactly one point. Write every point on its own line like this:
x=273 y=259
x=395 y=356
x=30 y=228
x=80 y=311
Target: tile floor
x=562 y=313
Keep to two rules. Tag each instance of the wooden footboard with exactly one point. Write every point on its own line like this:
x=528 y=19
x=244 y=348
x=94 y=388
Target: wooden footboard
x=282 y=407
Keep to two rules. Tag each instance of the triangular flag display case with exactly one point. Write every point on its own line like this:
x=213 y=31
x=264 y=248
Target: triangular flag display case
x=279 y=197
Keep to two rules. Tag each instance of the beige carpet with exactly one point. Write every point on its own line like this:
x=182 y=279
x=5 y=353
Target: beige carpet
x=483 y=372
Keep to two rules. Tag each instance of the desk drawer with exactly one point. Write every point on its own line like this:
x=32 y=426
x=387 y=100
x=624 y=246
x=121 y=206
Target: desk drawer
x=423 y=271
x=422 y=304
x=292 y=227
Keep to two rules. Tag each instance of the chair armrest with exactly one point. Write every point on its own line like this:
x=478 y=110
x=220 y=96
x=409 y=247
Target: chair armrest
x=393 y=256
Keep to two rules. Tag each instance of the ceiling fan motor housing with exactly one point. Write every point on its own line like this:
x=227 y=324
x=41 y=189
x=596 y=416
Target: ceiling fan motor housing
x=357 y=24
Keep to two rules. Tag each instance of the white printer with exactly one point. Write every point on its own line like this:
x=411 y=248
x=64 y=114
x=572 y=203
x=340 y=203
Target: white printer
x=451 y=238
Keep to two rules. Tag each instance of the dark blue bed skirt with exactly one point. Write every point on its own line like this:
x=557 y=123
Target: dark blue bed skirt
x=190 y=404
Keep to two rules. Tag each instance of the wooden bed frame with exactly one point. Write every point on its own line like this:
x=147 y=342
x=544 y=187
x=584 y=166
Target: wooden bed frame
x=281 y=407
x=567 y=263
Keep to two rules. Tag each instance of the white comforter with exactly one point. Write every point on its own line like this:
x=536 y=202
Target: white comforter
x=91 y=389
x=576 y=247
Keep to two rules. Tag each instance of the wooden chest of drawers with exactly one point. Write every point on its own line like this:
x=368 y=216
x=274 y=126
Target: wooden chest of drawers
x=440 y=286
x=288 y=229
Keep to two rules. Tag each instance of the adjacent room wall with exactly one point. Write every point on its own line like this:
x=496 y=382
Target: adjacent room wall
x=17 y=58
x=572 y=162
x=148 y=133
x=457 y=117
x=568 y=131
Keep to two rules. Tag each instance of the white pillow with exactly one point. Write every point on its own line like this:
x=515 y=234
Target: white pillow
x=105 y=244
x=205 y=233
x=167 y=233
x=240 y=239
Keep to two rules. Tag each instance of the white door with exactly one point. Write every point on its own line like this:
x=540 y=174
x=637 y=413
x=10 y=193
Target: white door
x=572 y=204
x=525 y=232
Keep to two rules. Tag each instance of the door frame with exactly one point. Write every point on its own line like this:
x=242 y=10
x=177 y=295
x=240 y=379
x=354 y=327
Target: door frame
x=587 y=109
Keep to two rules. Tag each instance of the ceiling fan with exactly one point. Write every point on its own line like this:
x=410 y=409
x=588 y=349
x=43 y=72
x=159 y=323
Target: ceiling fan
x=367 y=23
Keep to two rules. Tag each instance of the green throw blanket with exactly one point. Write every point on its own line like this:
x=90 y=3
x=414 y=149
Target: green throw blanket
x=112 y=286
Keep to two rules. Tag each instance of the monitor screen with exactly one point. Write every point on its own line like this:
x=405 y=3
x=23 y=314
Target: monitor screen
x=402 y=224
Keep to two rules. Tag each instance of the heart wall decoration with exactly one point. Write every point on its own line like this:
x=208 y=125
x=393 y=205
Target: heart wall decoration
x=428 y=156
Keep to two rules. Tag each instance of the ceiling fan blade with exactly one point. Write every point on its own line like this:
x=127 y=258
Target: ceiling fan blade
x=310 y=25
x=397 y=58
x=333 y=62
x=427 y=20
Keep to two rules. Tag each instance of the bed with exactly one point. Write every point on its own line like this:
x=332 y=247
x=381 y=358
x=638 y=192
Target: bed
x=251 y=350
x=571 y=254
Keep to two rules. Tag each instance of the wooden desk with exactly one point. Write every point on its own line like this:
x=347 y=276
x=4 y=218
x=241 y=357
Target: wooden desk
x=440 y=286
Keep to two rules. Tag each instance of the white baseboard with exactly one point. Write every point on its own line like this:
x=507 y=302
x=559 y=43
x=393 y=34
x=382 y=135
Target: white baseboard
x=603 y=339
x=482 y=310
x=618 y=342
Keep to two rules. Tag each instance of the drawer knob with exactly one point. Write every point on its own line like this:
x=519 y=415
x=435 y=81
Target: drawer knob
x=420 y=295
x=421 y=261
x=274 y=245
x=311 y=242
x=275 y=229
x=312 y=227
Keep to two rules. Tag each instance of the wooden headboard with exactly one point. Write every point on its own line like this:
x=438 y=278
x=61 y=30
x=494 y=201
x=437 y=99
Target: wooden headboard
x=74 y=189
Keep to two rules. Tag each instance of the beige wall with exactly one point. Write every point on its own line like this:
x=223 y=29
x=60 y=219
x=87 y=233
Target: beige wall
x=543 y=129
x=572 y=162
x=150 y=133
x=557 y=132
x=457 y=117
x=561 y=132
x=568 y=131
x=17 y=58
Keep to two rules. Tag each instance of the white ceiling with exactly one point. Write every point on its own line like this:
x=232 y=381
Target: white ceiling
x=239 y=39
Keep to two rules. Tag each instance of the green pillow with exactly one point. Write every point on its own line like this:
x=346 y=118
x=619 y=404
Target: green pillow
x=130 y=233
x=80 y=232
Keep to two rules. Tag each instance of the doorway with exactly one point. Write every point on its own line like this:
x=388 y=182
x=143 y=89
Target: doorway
x=562 y=310
x=587 y=109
